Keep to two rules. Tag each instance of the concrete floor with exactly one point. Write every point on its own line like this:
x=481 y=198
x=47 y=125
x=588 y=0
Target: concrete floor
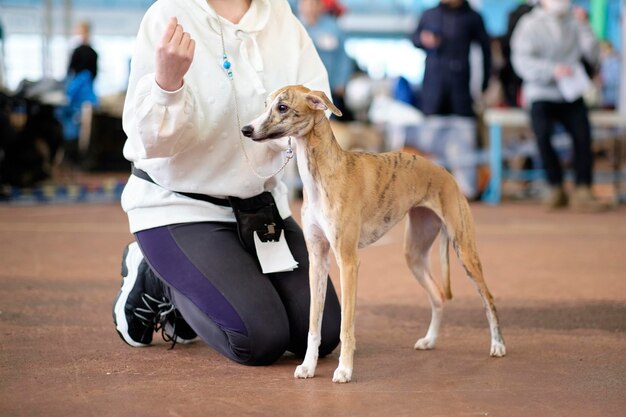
x=559 y=280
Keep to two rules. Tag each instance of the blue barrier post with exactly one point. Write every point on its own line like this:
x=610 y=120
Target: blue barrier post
x=492 y=194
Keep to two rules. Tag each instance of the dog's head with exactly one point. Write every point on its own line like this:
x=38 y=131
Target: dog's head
x=289 y=111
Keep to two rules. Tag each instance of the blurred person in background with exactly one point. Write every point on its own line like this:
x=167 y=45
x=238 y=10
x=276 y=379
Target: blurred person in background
x=549 y=50
x=84 y=57
x=609 y=75
x=446 y=33
x=319 y=17
x=79 y=88
x=2 y=66
x=511 y=82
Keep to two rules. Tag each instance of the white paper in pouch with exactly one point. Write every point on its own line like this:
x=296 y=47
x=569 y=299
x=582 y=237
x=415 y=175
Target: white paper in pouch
x=274 y=256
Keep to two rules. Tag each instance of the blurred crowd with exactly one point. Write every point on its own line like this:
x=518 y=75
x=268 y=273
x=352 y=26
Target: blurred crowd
x=378 y=114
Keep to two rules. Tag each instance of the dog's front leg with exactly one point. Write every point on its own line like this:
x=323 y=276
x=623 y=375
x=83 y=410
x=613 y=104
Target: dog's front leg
x=318 y=248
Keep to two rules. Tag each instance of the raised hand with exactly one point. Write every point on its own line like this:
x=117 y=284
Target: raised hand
x=174 y=56
x=429 y=39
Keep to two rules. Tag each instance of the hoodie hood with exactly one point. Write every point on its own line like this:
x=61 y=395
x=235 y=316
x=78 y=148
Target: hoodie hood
x=246 y=31
x=254 y=20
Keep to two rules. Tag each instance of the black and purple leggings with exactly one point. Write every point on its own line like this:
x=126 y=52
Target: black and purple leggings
x=219 y=289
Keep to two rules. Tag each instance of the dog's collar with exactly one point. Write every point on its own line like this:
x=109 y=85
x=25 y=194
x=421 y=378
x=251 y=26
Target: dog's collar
x=319 y=121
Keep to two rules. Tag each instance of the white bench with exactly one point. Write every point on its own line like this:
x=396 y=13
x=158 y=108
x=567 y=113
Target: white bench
x=497 y=119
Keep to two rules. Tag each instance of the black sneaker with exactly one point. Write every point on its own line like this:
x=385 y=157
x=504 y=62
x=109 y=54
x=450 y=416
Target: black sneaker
x=137 y=304
x=177 y=330
x=141 y=307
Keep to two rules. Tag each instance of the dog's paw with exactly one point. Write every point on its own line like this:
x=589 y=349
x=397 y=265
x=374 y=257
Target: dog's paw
x=304 y=371
x=342 y=375
x=424 y=343
x=498 y=349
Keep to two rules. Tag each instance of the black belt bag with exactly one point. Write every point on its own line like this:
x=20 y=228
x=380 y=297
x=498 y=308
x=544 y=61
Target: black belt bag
x=255 y=214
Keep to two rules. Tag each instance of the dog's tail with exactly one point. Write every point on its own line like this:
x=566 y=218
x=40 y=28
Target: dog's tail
x=444 y=259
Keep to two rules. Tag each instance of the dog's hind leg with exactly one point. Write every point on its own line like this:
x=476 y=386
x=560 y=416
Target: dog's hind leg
x=422 y=229
x=461 y=232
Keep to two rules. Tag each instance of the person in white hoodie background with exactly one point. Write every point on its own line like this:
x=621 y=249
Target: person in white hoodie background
x=201 y=69
x=548 y=48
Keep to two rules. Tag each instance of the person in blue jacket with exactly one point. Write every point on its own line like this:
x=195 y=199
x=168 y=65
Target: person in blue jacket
x=446 y=33
x=329 y=40
x=79 y=89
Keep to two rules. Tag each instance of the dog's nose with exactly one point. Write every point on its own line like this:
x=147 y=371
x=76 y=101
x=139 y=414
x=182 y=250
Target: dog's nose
x=247 y=130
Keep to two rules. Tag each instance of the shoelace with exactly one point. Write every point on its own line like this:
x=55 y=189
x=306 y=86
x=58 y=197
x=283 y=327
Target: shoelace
x=154 y=316
x=173 y=338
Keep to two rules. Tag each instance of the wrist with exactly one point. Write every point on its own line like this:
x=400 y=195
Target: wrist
x=168 y=85
x=166 y=97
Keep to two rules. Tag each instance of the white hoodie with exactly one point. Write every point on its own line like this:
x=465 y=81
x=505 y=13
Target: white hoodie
x=189 y=140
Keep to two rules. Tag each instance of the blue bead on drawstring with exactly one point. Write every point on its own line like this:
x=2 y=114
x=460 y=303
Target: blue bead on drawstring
x=227 y=65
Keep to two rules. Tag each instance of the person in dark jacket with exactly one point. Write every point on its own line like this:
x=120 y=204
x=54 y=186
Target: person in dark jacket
x=446 y=33
x=84 y=57
x=79 y=89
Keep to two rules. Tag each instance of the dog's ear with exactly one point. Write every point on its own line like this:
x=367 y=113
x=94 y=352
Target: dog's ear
x=317 y=100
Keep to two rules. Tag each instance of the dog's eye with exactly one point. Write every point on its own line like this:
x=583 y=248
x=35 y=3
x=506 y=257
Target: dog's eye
x=282 y=108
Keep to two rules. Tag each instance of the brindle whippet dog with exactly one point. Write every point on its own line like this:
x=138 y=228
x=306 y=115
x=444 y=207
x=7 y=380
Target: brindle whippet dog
x=352 y=199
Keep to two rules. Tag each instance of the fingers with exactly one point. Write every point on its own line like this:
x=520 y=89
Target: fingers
x=187 y=45
x=185 y=40
x=169 y=31
x=177 y=36
x=193 y=48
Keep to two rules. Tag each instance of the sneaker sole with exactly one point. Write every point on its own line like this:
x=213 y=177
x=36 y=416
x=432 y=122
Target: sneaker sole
x=128 y=282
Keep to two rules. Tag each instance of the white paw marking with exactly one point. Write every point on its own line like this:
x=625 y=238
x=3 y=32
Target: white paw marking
x=342 y=375
x=498 y=349
x=303 y=372
x=424 y=343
